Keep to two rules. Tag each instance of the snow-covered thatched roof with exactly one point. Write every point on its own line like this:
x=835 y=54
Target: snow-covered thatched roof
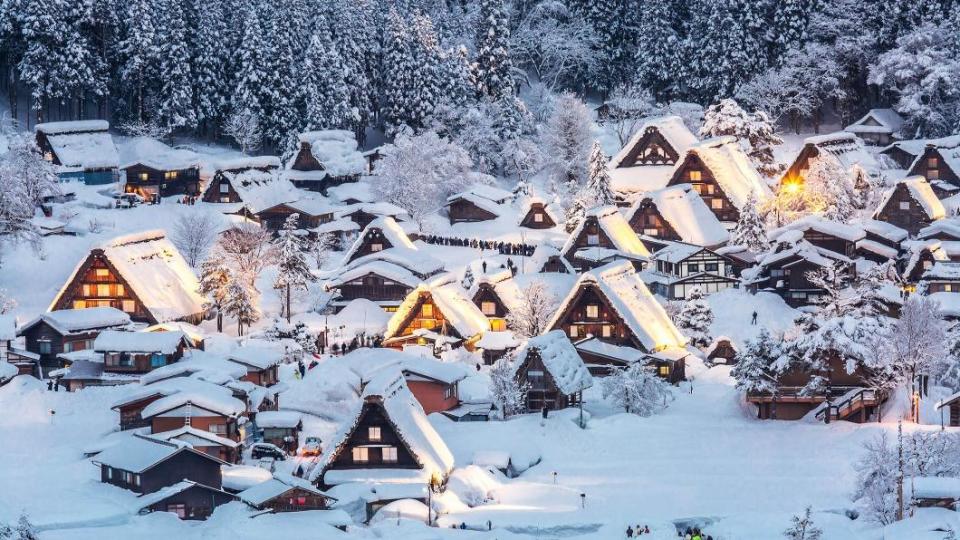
x=336 y=150
x=671 y=128
x=821 y=225
x=921 y=192
x=543 y=253
x=947 y=227
x=259 y=190
x=402 y=252
x=389 y=391
x=732 y=170
x=887 y=231
x=682 y=207
x=196 y=437
x=155 y=271
x=68 y=321
x=369 y=363
x=451 y=299
x=560 y=359
x=83 y=144
x=139 y=342
x=633 y=179
x=247 y=162
x=264 y=492
x=156 y=155
x=847 y=149
x=630 y=298
x=384 y=269
x=615 y=227
x=202 y=397
x=878 y=121
x=257 y=356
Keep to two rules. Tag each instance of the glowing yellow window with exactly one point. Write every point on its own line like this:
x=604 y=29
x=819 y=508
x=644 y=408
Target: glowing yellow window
x=498 y=325
x=593 y=311
x=427 y=310
x=129 y=306
x=79 y=304
x=103 y=290
x=664 y=371
x=373 y=433
x=696 y=176
x=488 y=308
x=102 y=273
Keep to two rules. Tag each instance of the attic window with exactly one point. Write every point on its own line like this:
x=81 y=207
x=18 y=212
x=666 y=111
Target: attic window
x=716 y=204
x=389 y=454
x=574 y=331
x=607 y=330
x=376 y=247
x=360 y=455
x=427 y=310
x=932 y=163
x=538 y=218
x=170 y=175
x=224 y=187
x=696 y=176
x=488 y=308
x=129 y=306
x=664 y=371
x=143 y=176
x=651 y=232
x=373 y=433
x=593 y=311
x=593 y=239
x=904 y=205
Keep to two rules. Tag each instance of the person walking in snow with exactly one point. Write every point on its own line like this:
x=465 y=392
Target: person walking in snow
x=629 y=532
x=753 y=321
x=301 y=368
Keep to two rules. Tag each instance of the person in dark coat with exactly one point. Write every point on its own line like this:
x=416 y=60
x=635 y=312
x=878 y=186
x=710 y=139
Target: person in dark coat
x=301 y=368
x=629 y=531
x=753 y=321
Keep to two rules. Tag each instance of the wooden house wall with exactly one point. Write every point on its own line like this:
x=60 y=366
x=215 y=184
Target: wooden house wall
x=305 y=160
x=373 y=415
x=213 y=193
x=486 y=293
x=43 y=143
x=796 y=172
x=943 y=286
x=707 y=186
x=725 y=351
x=186 y=180
x=370 y=238
x=43 y=332
x=932 y=166
x=296 y=500
x=555 y=265
x=130 y=414
x=900 y=156
x=649 y=221
x=912 y=219
x=529 y=220
x=85 y=290
x=274 y=218
x=797 y=289
x=434 y=396
x=462 y=210
x=651 y=149
x=830 y=242
x=375 y=288
x=142 y=362
x=924 y=262
x=198 y=502
x=590 y=228
x=182 y=466
x=160 y=424
x=577 y=325
x=434 y=320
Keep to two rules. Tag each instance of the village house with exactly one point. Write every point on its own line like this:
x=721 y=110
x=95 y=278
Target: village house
x=823 y=233
x=210 y=408
x=438 y=314
x=325 y=158
x=14 y=360
x=878 y=127
x=68 y=330
x=280 y=428
x=910 y=205
x=142 y=274
x=949 y=409
x=845 y=149
x=848 y=396
x=939 y=163
x=722 y=350
x=947 y=230
x=677 y=213
x=386 y=440
x=647 y=161
x=285 y=493
x=604 y=236
x=249 y=191
x=904 y=153
x=139 y=352
x=381 y=234
x=537 y=214
x=167 y=381
x=942 y=277
x=494 y=345
x=933 y=492
x=187 y=500
x=548 y=259
x=80 y=150
x=918 y=256
x=551 y=370
x=486 y=297
x=261 y=363
x=881 y=242
x=311 y=213
x=785 y=268
x=613 y=305
x=363 y=213
x=679 y=268
x=224 y=449
x=721 y=173
x=152 y=169
x=386 y=284
x=434 y=384
x=479 y=203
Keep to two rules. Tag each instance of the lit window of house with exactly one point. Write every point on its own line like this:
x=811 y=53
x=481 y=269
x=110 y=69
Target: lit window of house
x=650 y=232
x=664 y=371
x=143 y=176
x=574 y=331
x=389 y=454
x=904 y=205
x=696 y=176
x=129 y=306
x=103 y=290
x=716 y=204
x=170 y=175
x=427 y=310
x=79 y=304
x=947 y=287
x=932 y=163
x=488 y=308
x=360 y=455
x=538 y=218
x=373 y=433
x=102 y=273
x=607 y=330
x=711 y=189
x=593 y=311
x=376 y=247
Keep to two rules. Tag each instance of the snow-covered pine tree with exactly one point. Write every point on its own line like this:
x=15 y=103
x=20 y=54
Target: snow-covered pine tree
x=505 y=390
x=695 y=318
x=755 y=132
x=281 y=118
x=320 y=247
x=658 y=48
x=468 y=278
x=211 y=63
x=248 y=94
x=360 y=30
x=214 y=280
x=789 y=27
x=175 y=97
x=240 y=303
x=598 y=178
x=139 y=50
x=293 y=272
x=24 y=166
x=325 y=95
x=756 y=370
x=493 y=66
x=803 y=528
x=750 y=230
x=398 y=67
x=566 y=141
x=637 y=389
x=876 y=486
x=576 y=210
x=727 y=48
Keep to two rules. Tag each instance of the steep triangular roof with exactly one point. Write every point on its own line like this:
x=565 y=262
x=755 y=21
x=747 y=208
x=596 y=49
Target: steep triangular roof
x=616 y=228
x=451 y=299
x=921 y=192
x=686 y=212
x=671 y=128
x=560 y=359
x=731 y=168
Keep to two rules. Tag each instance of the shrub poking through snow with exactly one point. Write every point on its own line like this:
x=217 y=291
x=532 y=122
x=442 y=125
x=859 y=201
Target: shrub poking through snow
x=803 y=528
x=637 y=389
x=508 y=394
x=695 y=318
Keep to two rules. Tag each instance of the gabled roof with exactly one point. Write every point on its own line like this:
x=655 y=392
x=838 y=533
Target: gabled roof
x=149 y=499
x=888 y=231
x=675 y=252
x=915 y=248
x=141 y=453
x=83 y=144
x=257 y=356
x=732 y=170
x=391 y=231
x=156 y=155
x=825 y=226
x=626 y=293
x=949 y=227
x=452 y=301
x=921 y=192
x=139 y=342
x=68 y=321
x=916 y=147
x=195 y=437
x=560 y=359
x=492 y=194
x=155 y=271
x=196 y=364
x=260 y=190
x=847 y=149
x=335 y=150
x=384 y=269
x=543 y=253
x=617 y=229
x=369 y=363
x=264 y=492
x=247 y=162
x=389 y=391
x=212 y=398
x=878 y=121
x=671 y=128
x=943 y=270
x=682 y=207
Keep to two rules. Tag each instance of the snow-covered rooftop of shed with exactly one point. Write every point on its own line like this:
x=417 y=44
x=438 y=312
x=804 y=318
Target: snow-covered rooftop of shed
x=497 y=341
x=368 y=363
x=561 y=360
x=949 y=227
x=381 y=268
x=921 y=192
x=156 y=155
x=260 y=190
x=198 y=364
x=622 y=353
x=208 y=398
x=732 y=170
x=490 y=193
x=675 y=252
x=935 y=487
x=452 y=301
x=686 y=212
x=847 y=149
x=156 y=271
x=85 y=149
x=257 y=356
x=196 y=437
x=336 y=150
x=73 y=126
x=884 y=230
x=821 y=225
x=888 y=119
x=276 y=486
x=137 y=454
x=943 y=270
x=247 y=162
x=279 y=419
x=138 y=342
x=67 y=321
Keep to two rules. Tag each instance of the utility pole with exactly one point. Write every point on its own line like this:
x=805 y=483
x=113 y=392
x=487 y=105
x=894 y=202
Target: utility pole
x=899 y=470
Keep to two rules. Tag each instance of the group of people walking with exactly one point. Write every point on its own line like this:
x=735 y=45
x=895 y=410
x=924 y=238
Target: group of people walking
x=689 y=534
x=504 y=248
